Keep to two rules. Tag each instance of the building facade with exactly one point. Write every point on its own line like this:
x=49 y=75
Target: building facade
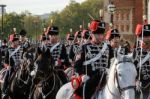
x=127 y=15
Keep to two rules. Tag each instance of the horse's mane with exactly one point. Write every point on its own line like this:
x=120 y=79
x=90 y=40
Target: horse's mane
x=112 y=68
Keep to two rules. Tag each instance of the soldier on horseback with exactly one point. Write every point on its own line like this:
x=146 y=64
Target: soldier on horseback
x=24 y=43
x=113 y=38
x=12 y=62
x=3 y=49
x=142 y=60
x=75 y=47
x=45 y=42
x=93 y=62
x=57 y=50
x=69 y=42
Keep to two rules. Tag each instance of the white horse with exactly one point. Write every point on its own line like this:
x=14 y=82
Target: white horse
x=120 y=84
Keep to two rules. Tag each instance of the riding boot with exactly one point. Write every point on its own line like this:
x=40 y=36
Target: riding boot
x=5 y=86
x=32 y=88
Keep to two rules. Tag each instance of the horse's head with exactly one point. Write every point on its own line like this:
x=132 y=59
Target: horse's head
x=42 y=64
x=28 y=59
x=125 y=74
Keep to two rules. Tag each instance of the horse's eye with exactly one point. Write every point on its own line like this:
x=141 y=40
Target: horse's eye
x=119 y=75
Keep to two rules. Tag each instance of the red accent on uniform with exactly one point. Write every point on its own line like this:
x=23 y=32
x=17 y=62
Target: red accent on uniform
x=68 y=34
x=76 y=34
x=108 y=34
x=78 y=81
x=83 y=33
x=11 y=37
x=59 y=62
x=75 y=96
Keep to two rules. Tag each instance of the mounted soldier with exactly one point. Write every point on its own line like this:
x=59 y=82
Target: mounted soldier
x=12 y=62
x=24 y=43
x=113 y=38
x=69 y=42
x=45 y=41
x=58 y=50
x=75 y=47
x=3 y=50
x=142 y=60
x=93 y=62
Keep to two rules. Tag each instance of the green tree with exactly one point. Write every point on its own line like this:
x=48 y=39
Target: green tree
x=76 y=14
x=11 y=21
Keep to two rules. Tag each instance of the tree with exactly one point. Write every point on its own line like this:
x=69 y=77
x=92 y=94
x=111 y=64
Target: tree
x=76 y=14
x=11 y=21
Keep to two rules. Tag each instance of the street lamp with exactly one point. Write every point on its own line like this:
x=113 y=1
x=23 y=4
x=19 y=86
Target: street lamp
x=2 y=11
x=111 y=10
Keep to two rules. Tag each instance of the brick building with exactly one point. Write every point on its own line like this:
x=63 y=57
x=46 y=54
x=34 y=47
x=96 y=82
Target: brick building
x=127 y=15
x=147 y=9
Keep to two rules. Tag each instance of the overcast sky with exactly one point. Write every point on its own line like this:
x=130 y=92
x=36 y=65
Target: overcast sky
x=35 y=6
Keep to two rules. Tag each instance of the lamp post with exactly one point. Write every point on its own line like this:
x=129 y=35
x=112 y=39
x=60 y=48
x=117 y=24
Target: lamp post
x=111 y=10
x=2 y=11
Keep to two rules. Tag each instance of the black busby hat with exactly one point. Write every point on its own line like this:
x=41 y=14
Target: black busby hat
x=44 y=37
x=143 y=28
x=86 y=34
x=111 y=34
x=23 y=33
x=4 y=41
x=146 y=30
x=54 y=30
x=78 y=34
x=70 y=36
x=97 y=27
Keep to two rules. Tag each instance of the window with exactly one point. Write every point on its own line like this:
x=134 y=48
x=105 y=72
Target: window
x=127 y=28
x=122 y=28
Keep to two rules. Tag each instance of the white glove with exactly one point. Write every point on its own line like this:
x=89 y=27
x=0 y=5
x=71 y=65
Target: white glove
x=33 y=73
x=85 y=78
x=138 y=85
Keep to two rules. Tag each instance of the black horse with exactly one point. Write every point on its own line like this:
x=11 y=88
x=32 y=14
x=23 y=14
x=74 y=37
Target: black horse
x=47 y=80
x=21 y=83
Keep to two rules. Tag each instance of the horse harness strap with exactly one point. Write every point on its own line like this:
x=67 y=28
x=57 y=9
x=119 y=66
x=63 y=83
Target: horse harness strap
x=54 y=84
x=125 y=88
x=119 y=88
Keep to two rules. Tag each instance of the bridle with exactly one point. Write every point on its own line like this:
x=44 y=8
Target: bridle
x=117 y=79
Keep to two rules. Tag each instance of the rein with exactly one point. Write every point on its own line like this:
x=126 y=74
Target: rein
x=54 y=84
x=118 y=85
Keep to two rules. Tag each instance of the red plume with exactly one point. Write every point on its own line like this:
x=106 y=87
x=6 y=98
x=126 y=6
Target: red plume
x=138 y=30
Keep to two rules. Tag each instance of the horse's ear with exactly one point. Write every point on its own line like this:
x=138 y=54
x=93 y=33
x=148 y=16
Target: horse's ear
x=39 y=51
x=48 y=53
